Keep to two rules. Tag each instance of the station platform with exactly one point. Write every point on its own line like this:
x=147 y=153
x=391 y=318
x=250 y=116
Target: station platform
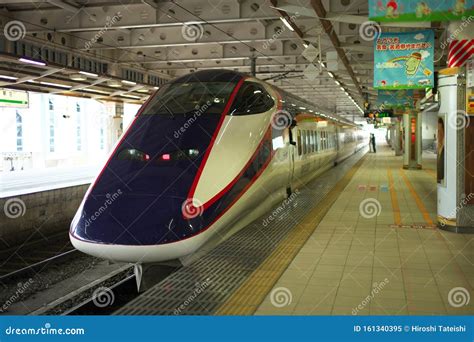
x=32 y=181
x=360 y=239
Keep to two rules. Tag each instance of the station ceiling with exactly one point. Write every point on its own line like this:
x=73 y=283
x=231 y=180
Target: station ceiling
x=319 y=50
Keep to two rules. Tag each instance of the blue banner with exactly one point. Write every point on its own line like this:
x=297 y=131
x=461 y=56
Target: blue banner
x=395 y=99
x=426 y=10
x=404 y=60
x=237 y=328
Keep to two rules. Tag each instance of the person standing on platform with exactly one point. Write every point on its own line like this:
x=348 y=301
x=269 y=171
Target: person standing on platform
x=372 y=142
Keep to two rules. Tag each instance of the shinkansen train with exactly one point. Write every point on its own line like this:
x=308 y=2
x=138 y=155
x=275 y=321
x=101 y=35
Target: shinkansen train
x=207 y=152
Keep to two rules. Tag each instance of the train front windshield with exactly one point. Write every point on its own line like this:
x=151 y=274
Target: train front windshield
x=189 y=97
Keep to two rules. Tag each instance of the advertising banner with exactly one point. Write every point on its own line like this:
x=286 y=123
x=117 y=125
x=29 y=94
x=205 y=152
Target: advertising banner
x=426 y=10
x=404 y=60
x=395 y=99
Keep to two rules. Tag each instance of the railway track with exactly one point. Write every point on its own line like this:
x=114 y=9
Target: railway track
x=29 y=259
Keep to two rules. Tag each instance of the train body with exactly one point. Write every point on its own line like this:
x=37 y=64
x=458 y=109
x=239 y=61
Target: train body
x=208 y=151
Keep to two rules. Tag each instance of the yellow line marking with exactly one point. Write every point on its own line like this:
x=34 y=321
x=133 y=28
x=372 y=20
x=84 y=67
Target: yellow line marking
x=248 y=297
x=417 y=198
x=431 y=172
x=393 y=196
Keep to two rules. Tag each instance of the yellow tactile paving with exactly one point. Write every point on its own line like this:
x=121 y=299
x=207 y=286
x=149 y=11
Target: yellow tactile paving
x=391 y=263
x=246 y=300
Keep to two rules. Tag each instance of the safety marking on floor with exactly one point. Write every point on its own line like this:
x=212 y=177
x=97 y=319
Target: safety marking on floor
x=394 y=199
x=412 y=226
x=431 y=172
x=373 y=188
x=245 y=301
x=384 y=188
x=417 y=198
x=361 y=187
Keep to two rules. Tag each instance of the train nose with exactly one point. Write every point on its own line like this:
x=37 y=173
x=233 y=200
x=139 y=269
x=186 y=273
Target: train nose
x=125 y=227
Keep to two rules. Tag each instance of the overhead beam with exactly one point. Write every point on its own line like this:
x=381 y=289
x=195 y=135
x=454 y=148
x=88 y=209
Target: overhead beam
x=329 y=29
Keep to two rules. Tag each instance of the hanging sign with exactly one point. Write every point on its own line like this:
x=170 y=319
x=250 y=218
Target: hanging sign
x=13 y=98
x=396 y=99
x=404 y=60
x=426 y=10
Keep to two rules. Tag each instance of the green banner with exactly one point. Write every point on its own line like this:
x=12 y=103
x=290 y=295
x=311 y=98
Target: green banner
x=427 y=10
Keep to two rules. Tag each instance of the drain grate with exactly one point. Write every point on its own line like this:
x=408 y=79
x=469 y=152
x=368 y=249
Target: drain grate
x=203 y=286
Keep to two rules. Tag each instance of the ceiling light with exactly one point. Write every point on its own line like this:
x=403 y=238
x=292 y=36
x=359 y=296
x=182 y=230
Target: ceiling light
x=129 y=82
x=305 y=45
x=94 y=91
x=55 y=85
x=31 y=61
x=88 y=73
x=131 y=96
x=287 y=24
x=8 y=77
x=342 y=88
x=143 y=90
x=77 y=77
x=156 y=88
x=330 y=74
x=337 y=82
x=114 y=84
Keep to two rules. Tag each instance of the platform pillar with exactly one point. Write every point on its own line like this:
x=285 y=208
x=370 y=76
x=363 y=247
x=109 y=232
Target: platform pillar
x=455 y=163
x=397 y=139
x=412 y=140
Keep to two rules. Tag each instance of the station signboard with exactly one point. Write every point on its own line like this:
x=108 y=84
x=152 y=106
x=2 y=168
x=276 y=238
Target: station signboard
x=404 y=60
x=13 y=98
x=426 y=10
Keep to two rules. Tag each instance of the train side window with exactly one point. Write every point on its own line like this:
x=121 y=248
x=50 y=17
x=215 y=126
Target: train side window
x=298 y=137
x=252 y=98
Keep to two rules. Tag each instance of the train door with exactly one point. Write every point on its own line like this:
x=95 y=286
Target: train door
x=292 y=151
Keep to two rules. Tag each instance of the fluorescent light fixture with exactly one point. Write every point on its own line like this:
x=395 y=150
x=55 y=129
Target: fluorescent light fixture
x=337 y=82
x=156 y=88
x=131 y=96
x=55 y=85
x=114 y=84
x=8 y=77
x=302 y=108
x=129 y=82
x=330 y=74
x=93 y=91
x=305 y=45
x=77 y=77
x=31 y=61
x=287 y=24
x=88 y=73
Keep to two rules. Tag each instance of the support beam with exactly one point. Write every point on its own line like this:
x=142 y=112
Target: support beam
x=329 y=29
